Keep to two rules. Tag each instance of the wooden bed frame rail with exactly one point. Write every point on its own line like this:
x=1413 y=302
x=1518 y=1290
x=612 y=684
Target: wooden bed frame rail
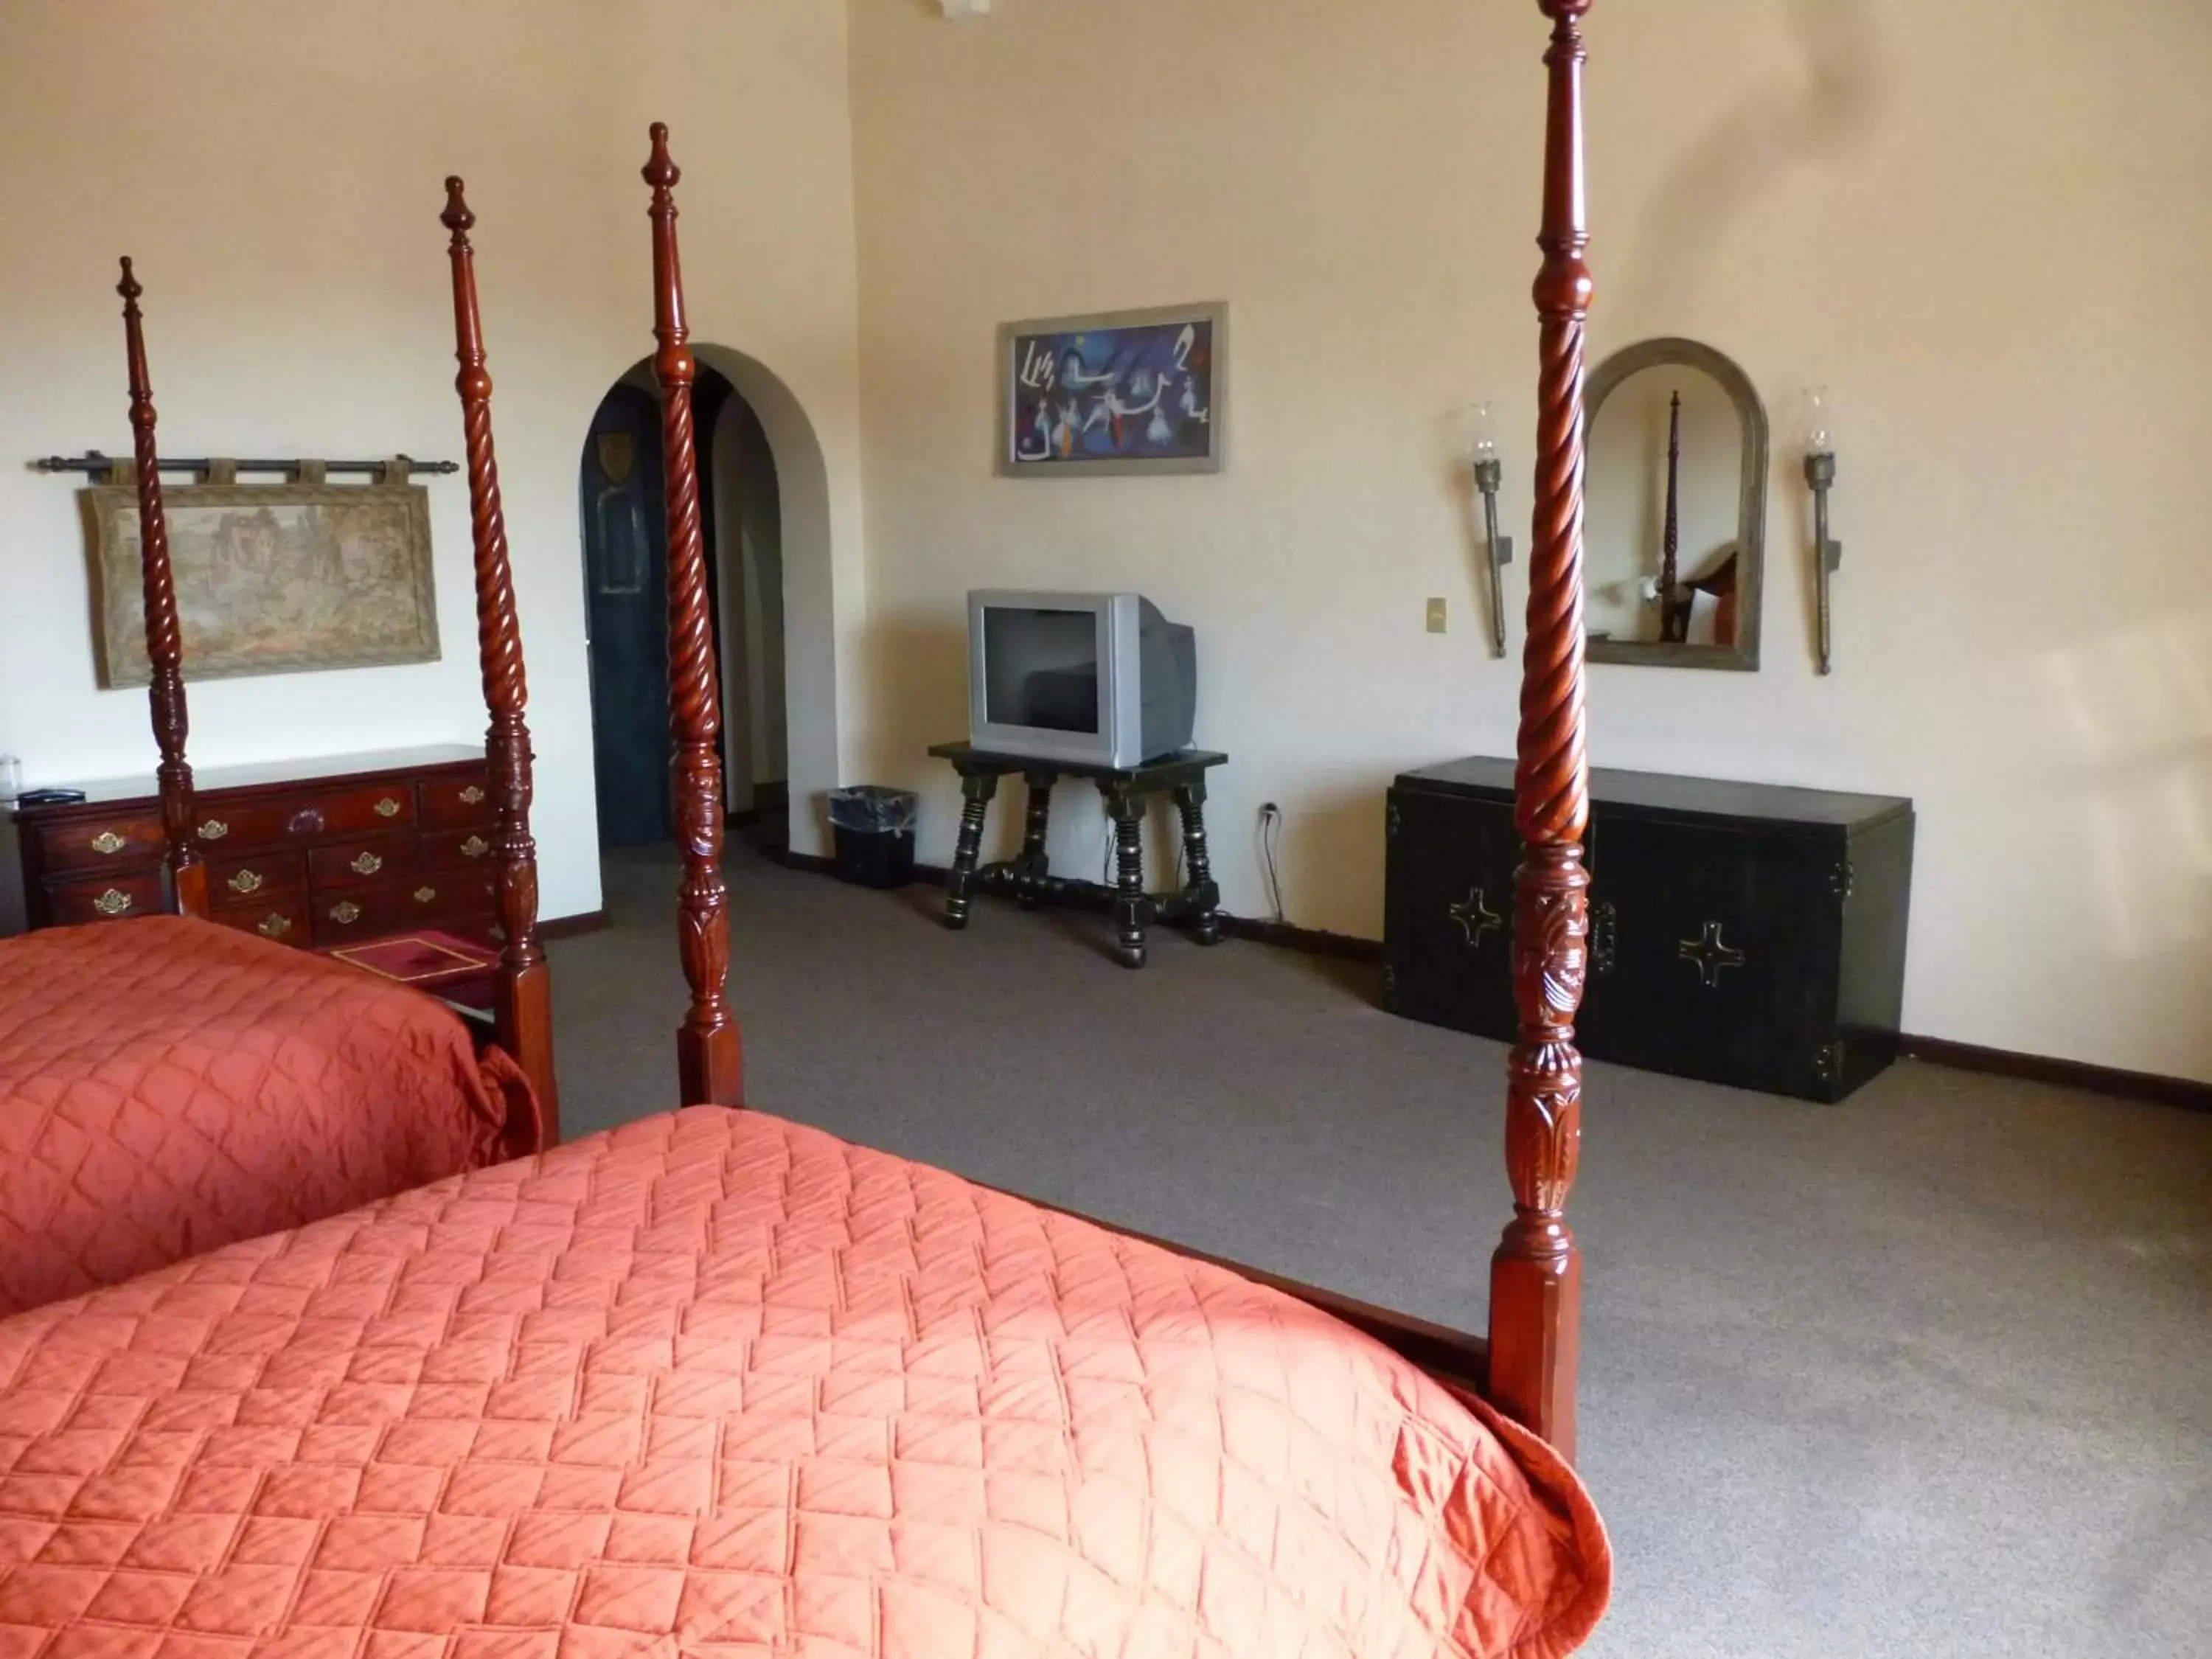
x=1527 y=1367
x=164 y=635
x=523 y=1015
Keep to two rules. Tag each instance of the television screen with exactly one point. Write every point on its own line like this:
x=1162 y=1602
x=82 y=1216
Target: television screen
x=1041 y=668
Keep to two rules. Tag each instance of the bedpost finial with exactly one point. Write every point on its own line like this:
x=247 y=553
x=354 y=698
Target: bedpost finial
x=129 y=288
x=457 y=217
x=1565 y=11
x=661 y=170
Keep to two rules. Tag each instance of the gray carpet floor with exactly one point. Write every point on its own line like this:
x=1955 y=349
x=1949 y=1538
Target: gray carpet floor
x=1927 y=1373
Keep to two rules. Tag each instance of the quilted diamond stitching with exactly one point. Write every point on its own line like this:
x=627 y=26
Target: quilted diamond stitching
x=167 y=1086
x=725 y=1382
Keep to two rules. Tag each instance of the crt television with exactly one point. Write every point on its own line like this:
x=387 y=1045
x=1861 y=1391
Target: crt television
x=1096 y=679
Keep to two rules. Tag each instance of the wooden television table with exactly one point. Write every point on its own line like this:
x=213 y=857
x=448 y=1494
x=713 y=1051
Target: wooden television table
x=1196 y=906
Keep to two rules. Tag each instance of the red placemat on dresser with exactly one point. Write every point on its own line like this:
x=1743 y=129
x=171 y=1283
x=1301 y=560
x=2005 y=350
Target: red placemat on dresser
x=444 y=966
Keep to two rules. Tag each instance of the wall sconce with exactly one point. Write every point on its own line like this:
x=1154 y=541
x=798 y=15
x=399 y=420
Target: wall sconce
x=1489 y=474
x=1820 y=474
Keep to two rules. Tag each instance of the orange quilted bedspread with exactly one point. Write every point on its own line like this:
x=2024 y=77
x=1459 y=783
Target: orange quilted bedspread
x=716 y=1384
x=167 y=1085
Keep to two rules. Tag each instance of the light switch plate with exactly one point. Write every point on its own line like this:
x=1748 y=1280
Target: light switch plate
x=1435 y=616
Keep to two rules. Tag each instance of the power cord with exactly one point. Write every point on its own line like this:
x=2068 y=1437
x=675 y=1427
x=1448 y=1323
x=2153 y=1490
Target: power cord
x=1271 y=836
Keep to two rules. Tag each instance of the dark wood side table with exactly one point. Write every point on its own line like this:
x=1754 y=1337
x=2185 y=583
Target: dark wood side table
x=1196 y=906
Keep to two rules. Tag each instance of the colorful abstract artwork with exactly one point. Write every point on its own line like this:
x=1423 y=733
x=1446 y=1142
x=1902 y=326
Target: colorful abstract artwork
x=1131 y=392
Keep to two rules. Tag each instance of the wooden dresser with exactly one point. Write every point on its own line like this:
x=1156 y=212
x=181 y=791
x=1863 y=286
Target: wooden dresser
x=1742 y=933
x=313 y=853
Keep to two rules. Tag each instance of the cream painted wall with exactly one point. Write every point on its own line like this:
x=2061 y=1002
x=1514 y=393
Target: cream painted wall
x=1984 y=223
x=275 y=170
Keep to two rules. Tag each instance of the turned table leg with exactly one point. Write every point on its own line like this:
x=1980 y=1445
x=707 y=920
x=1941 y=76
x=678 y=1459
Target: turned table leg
x=1132 y=908
x=977 y=789
x=1202 y=896
x=1029 y=872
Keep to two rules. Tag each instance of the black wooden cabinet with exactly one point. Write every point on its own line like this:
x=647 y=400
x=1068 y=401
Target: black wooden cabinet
x=1743 y=934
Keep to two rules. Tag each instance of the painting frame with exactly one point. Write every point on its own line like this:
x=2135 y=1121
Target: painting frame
x=400 y=521
x=1009 y=460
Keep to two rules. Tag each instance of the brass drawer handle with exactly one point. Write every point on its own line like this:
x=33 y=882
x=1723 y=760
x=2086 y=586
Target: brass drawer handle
x=345 y=913
x=424 y=895
x=109 y=843
x=248 y=881
x=275 y=927
x=306 y=822
x=113 y=902
x=472 y=796
x=214 y=830
x=368 y=864
x=387 y=808
x=475 y=848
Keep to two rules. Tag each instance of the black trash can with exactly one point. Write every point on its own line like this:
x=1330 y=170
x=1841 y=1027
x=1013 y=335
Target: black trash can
x=874 y=831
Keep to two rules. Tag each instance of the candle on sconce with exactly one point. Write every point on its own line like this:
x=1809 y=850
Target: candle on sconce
x=1484 y=455
x=1818 y=431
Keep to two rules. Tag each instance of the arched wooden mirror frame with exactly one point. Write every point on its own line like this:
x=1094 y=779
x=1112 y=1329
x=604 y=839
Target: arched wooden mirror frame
x=1750 y=507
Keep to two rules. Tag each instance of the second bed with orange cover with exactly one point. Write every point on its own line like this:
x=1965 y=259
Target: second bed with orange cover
x=167 y=1086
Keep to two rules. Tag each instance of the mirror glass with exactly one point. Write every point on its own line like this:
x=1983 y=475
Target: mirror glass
x=1676 y=508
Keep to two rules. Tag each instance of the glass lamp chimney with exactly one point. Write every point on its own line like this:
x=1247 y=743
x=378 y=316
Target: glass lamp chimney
x=1482 y=446
x=1819 y=421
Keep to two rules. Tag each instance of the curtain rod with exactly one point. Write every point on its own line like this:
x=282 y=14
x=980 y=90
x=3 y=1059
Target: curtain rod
x=93 y=462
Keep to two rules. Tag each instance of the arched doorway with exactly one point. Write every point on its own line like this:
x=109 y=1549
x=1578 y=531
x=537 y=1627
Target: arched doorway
x=621 y=490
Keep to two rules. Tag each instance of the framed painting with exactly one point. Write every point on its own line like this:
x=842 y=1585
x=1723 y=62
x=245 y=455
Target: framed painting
x=271 y=579
x=1124 y=393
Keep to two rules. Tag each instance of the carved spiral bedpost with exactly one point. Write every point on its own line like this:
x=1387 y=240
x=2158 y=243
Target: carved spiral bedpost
x=524 y=1015
x=1536 y=1276
x=706 y=1047
x=164 y=646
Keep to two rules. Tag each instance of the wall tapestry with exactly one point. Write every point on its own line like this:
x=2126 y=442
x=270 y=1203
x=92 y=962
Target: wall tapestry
x=271 y=579
x=1126 y=392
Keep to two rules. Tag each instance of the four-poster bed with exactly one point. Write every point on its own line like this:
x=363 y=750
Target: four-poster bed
x=716 y=1382
x=168 y=1086
x=164 y=633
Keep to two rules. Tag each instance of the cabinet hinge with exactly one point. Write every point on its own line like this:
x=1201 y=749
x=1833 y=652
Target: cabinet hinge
x=1844 y=880
x=1393 y=818
x=1828 y=1061
x=1605 y=938
x=1389 y=987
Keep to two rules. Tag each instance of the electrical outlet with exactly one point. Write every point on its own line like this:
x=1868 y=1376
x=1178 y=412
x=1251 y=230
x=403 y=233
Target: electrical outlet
x=1435 y=616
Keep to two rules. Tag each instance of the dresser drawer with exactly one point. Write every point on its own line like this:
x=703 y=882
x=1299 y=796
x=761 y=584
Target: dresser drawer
x=100 y=843
x=449 y=803
x=395 y=906
x=351 y=863
x=105 y=899
x=285 y=920
x=264 y=877
x=441 y=898
x=364 y=810
x=460 y=849
x=230 y=828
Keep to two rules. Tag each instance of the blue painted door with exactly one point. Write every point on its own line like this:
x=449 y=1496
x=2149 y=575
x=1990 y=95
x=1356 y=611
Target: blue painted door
x=626 y=583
